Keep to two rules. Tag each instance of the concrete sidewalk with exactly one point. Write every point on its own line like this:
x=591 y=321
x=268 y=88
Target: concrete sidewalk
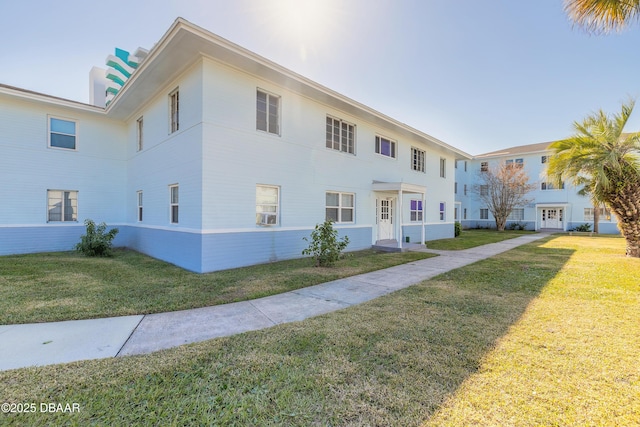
x=61 y=342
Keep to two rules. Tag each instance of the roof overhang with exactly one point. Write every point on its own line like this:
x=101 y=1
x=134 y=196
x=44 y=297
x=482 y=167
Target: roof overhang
x=399 y=186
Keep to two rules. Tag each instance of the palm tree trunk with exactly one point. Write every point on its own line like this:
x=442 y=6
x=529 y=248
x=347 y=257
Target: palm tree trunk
x=627 y=208
x=631 y=233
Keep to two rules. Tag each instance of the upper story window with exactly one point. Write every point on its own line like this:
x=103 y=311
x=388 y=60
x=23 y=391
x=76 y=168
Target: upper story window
x=385 y=147
x=62 y=133
x=518 y=163
x=550 y=186
x=484 y=167
x=268 y=112
x=139 y=133
x=267 y=204
x=340 y=135
x=340 y=207
x=544 y=159
x=484 y=190
x=443 y=167
x=174 y=111
x=465 y=165
x=62 y=205
x=417 y=159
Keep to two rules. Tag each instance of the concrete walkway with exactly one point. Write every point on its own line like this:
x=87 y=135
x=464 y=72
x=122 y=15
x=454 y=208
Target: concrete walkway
x=61 y=342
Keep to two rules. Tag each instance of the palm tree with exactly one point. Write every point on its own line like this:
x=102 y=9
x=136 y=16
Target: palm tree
x=602 y=16
x=606 y=163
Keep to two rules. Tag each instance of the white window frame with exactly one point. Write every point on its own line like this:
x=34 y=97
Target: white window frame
x=269 y=119
x=484 y=190
x=268 y=214
x=393 y=146
x=443 y=211
x=174 y=204
x=330 y=135
x=61 y=198
x=605 y=214
x=140 y=206
x=174 y=110
x=418 y=158
x=417 y=213
x=443 y=167
x=484 y=166
x=518 y=163
x=484 y=213
x=140 y=133
x=516 y=214
x=341 y=207
x=50 y=131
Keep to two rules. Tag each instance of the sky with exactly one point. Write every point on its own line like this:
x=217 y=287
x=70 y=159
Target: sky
x=478 y=75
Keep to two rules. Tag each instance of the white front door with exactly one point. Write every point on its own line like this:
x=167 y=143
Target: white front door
x=552 y=218
x=385 y=219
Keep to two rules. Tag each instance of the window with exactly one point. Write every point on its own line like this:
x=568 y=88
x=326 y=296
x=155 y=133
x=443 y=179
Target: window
x=455 y=164
x=417 y=159
x=139 y=194
x=605 y=214
x=484 y=213
x=443 y=167
x=62 y=133
x=464 y=213
x=517 y=214
x=484 y=167
x=173 y=204
x=62 y=205
x=174 y=111
x=267 y=204
x=544 y=159
x=386 y=147
x=340 y=207
x=455 y=188
x=519 y=163
x=340 y=135
x=442 y=211
x=465 y=165
x=139 y=127
x=416 y=210
x=484 y=190
x=465 y=189
x=268 y=112
x=550 y=186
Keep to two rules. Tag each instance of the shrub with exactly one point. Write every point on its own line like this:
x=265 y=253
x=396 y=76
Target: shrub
x=584 y=227
x=325 y=246
x=97 y=241
x=457 y=229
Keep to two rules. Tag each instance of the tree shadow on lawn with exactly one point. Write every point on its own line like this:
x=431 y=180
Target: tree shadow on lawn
x=392 y=361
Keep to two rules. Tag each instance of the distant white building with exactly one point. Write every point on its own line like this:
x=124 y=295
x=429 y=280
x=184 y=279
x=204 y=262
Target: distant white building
x=552 y=208
x=212 y=157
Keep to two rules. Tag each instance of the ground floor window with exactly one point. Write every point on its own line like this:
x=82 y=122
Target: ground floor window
x=416 y=210
x=173 y=204
x=340 y=207
x=516 y=214
x=442 y=211
x=267 y=204
x=484 y=213
x=139 y=194
x=605 y=214
x=62 y=205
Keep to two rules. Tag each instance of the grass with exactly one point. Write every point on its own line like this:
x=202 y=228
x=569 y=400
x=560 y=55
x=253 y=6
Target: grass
x=67 y=285
x=472 y=238
x=546 y=334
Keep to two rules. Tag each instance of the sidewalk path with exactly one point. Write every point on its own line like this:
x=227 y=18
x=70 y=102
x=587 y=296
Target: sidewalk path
x=61 y=342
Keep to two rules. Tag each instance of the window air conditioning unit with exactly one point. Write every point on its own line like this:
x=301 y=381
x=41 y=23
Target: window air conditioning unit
x=267 y=219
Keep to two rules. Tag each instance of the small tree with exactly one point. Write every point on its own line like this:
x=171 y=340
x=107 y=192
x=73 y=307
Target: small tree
x=502 y=188
x=97 y=241
x=325 y=246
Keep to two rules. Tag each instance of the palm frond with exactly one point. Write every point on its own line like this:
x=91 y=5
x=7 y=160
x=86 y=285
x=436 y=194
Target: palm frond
x=602 y=16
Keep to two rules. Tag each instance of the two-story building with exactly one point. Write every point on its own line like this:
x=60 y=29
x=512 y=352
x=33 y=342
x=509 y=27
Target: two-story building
x=551 y=208
x=212 y=157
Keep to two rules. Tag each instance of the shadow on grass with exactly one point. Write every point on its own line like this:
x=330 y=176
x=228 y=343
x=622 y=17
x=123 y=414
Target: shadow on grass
x=391 y=361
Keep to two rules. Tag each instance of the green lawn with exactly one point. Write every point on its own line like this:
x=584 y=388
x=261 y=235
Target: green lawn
x=544 y=335
x=67 y=285
x=472 y=238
